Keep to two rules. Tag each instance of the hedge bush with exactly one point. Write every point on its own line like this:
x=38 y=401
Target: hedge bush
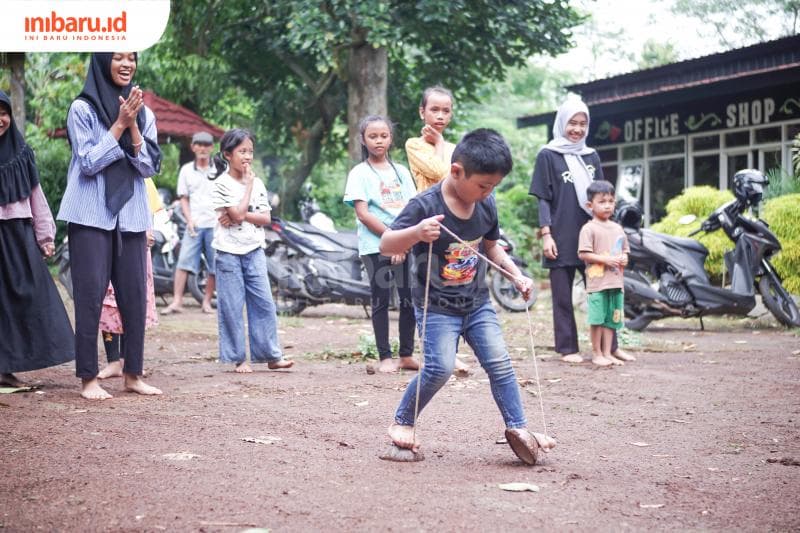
x=780 y=213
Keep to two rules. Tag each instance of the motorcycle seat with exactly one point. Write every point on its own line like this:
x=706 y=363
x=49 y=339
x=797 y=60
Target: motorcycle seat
x=682 y=242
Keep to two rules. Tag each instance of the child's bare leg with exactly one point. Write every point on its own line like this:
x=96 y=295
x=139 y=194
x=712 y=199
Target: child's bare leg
x=10 y=380
x=112 y=370
x=408 y=362
x=387 y=366
x=608 y=339
x=596 y=333
x=403 y=437
x=91 y=390
x=243 y=368
x=135 y=384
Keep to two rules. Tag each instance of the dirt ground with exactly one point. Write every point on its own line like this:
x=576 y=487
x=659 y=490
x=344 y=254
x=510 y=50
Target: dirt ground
x=701 y=433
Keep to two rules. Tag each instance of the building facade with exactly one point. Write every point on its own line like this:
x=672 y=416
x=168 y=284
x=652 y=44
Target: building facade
x=695 y=122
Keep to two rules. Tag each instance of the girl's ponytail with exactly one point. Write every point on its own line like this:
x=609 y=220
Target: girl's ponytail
x=220 y=164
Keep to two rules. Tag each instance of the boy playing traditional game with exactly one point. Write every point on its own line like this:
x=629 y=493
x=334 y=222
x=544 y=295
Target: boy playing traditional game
x=603 y=246
x=458 y=302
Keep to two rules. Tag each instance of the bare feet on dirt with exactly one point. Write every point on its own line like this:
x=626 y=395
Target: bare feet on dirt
x=277 y=365
x=599 y=360
x=572 y=358
x=10 y=380
x=112 y=370
x=403 y=436
x=408 y=362
x=207 y=309
x=546 y=442
x=387 y=366
x=614 y=360
x=91 y=390
x=462 y=369
x=243 y=368
x=172 y=308
x=135 y=384
x=623 y=355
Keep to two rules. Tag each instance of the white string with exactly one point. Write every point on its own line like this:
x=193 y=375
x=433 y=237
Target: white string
x=527 y=313
x=422 y=343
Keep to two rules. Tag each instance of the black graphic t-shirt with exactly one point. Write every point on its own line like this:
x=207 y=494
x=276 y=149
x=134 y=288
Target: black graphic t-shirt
x=458 y=276
x=552 y=181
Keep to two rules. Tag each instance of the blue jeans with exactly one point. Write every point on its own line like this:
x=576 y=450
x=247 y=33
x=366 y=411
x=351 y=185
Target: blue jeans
x=192 y=247
x=242 y=279
x=481 y=329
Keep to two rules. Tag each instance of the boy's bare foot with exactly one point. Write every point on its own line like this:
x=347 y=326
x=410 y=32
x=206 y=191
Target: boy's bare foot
x=135 y=384
x=207 y=309
x=403 y=437
x=244 y=368
x=387 y=366
x=462 y=369
x=546 y=442
x=10 y=380
x=623 y=355
x=599 y=360
x=614 y=360
x=112 y=370
x=573 y=358
x=408 y=362
x=91 y=390
x=277 y=365
x=172 y=308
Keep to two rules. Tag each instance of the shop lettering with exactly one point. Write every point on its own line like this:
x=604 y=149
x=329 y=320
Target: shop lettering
x=750 y=113
x=651 y=128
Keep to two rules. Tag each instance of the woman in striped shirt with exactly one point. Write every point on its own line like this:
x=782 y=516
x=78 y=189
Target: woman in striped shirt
x=114 y=147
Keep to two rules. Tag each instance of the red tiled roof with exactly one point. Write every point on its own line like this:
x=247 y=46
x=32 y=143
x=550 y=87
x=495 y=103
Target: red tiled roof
x=172 y=120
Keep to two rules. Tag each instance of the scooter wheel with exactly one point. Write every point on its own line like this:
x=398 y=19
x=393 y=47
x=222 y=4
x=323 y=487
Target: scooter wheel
x=778 y=300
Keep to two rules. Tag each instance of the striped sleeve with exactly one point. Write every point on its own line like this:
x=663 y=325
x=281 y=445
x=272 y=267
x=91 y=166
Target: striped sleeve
x=93 y=151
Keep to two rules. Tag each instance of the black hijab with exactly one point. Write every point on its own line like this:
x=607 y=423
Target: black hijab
x=18 y=174
x=103 y=94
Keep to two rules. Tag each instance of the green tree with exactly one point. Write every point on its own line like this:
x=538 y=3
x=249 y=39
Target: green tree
x=743 y=22
x=304 y=64
x=655 y=54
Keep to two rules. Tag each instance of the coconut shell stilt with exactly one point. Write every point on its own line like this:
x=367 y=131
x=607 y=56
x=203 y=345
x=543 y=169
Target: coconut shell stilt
x=401 y=455
x=524 y=445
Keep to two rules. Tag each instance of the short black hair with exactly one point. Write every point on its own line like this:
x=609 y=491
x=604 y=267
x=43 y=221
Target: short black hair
x=599 y=187
x=483 y=151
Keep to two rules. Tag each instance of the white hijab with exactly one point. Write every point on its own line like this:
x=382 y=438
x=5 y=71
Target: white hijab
x=572 y=152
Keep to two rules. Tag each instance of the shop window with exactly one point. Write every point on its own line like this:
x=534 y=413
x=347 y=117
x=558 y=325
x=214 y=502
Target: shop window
x=666 y=182
x=665 y=148
x=792 y=131
x=608 y=155
x=706 y=170
x=634 y=151
x=768 y=135
x=706 y=142
x=610 y=173
x=736 y=162
x=629 y=183
x=771 y=160
x=737 y=138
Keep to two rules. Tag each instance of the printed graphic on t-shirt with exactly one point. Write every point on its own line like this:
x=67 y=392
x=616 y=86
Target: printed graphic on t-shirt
x=462 y=264
x=391 y=195
x=596 y=270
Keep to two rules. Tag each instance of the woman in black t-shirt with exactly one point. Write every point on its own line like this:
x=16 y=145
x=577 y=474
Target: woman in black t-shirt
x=564 y=169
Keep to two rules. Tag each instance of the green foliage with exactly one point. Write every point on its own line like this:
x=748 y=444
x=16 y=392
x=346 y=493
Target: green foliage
x=780 y=213
x=782 y=216
x=368 y=348
x=781 y=183
x=655 y=54
x=170 y=165
x=701 y=202
x=796 y=155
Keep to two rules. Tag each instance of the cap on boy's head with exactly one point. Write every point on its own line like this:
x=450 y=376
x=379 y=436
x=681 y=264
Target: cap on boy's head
x=202 y=137
x=483 y=151
x=599 y=187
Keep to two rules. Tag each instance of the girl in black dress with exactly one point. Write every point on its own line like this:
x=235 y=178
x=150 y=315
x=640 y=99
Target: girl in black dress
x=34 y=325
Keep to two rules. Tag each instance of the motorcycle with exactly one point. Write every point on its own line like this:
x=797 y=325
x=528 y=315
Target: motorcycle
x=168 y=225
x=665 y=275
x=501 y=289
x=308 y=266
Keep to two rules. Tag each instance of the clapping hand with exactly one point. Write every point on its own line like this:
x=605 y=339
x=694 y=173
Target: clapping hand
x=129 y=107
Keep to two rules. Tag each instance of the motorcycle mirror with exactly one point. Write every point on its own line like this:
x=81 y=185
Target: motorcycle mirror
x=687 y=219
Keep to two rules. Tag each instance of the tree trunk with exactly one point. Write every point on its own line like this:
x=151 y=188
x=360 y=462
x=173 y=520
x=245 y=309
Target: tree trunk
x=368 y=69
x=16 y=63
